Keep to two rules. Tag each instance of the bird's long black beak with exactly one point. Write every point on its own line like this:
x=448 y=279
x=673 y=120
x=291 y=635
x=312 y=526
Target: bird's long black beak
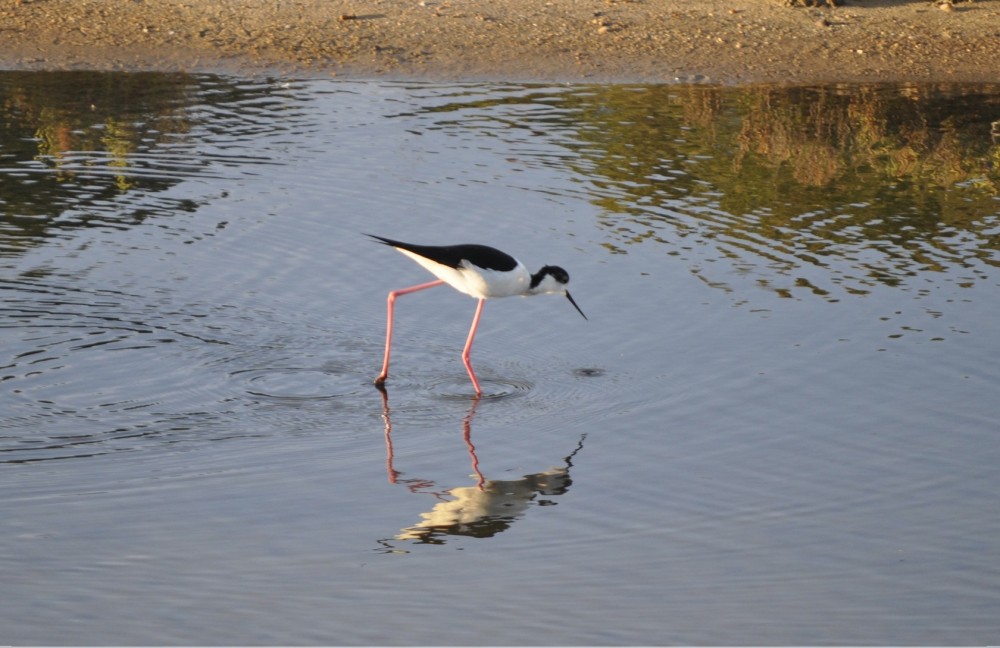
x=570 y=298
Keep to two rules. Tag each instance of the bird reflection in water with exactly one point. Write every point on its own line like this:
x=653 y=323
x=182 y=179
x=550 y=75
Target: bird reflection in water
x=482 y=510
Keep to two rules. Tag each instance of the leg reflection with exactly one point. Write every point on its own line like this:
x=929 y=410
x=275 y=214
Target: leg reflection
x=419 y=485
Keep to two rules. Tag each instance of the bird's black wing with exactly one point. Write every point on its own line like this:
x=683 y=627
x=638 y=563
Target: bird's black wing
x=453 y=255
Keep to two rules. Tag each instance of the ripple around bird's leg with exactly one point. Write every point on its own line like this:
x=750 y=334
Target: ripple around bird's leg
x=298 y=384
x=459 y=388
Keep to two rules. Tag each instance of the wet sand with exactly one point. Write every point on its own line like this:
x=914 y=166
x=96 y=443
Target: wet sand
x=724 y=41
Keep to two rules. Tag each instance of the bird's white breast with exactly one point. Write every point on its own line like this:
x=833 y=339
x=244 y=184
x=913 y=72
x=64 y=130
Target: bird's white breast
x=478 y=282
x=493 y=283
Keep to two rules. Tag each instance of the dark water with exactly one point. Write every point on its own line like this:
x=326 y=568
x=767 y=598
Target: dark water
x=779 y=425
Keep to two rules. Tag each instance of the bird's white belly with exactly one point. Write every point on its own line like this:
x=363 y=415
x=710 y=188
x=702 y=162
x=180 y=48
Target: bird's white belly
x=491 y=283
x=478 y=282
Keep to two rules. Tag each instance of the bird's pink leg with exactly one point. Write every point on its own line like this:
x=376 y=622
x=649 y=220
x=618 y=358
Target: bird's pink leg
x=468 y=347
x=388 y=326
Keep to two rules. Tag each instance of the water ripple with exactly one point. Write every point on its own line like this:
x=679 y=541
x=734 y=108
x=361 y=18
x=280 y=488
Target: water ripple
x=190 y=323
x=298 y=385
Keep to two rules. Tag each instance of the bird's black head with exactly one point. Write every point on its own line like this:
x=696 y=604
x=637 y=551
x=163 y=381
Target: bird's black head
x=560 y=276
x=552 y=279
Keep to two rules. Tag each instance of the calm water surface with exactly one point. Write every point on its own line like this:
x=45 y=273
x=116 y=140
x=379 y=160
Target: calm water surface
x=779 y=425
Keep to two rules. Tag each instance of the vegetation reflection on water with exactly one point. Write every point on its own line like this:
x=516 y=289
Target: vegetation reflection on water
x=72 y=143
x=871 y=184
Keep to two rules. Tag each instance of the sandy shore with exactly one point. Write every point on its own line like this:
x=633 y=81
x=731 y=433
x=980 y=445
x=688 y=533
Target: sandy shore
x=726 y=41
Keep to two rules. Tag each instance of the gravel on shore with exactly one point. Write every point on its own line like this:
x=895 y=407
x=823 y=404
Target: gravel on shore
x=724 y=41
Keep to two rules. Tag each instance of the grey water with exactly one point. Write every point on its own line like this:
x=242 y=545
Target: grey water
x=779 y=424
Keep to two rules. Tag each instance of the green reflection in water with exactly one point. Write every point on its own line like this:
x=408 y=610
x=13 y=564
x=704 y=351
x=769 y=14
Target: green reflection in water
x=830 y=190
x=82 y=149
x=58 y=127
x=882 y=182
x=843 y=186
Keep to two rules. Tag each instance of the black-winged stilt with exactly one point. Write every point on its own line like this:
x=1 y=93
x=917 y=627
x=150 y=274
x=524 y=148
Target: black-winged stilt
x=476 y=270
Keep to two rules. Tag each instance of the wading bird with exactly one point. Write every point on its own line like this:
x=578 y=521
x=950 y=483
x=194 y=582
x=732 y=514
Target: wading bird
x=476 y=270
